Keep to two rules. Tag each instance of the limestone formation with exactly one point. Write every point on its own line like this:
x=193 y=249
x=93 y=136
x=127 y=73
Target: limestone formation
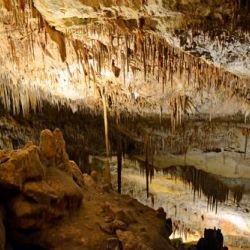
x=35 y=189
x=161 y=83
x=20 y=166
x=51 y=198
x=61 y=156
x=76 y=173
x=47 y=147
x=45 y=206
x=131 y=241
x=114 y=243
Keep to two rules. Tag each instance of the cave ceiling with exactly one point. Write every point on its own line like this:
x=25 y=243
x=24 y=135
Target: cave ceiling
x=171 y=57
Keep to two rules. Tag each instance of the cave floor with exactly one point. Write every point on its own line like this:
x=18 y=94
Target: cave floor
x=104 y=217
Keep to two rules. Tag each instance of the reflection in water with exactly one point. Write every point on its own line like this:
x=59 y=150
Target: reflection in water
x=208 y=184
x=174 y=190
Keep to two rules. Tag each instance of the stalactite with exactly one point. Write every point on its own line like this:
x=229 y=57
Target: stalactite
x=146 y=151
x=144 y=59
x=151 y=161
x=238 y=193
x=116 y=71
x=140 y=50
x=119 y=163
x=8 y=4
x=245 y=132
x=202 y=182
x=22 y=4
x=59 y=38
x=106 y=129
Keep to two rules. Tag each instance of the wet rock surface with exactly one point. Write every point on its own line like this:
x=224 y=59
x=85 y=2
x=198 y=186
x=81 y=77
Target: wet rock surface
x=45 y=209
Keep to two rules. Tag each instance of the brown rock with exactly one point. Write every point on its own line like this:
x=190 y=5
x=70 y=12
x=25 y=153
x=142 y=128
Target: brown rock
x=2 y=230
x=131 y=241
x=107 y=213
x=94 y=175
x=114 y=244
x=76 y=173
x=57 y=187
x=41 y=192
x=106 y=208
x=30 y=215
x=61 y=156
x=88 y=181
x=109 y=219
x=127 y=217
x=4 y=156
x=107 y=228
x=47 y=146
x=60 y=142
x=19 y=166
x=106 y=187
x=117 y=224
x=48 y=199
x=64 y=185
x=28 y=144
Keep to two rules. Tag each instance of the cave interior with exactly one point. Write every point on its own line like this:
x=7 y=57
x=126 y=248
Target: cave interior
x=124 y=124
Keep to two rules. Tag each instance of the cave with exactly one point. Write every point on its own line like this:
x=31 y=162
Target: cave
x=124 y=124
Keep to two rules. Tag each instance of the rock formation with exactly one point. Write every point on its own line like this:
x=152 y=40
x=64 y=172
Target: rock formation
x=163 y=81
x=35 y=192
x=2 y=230
x=42 y=204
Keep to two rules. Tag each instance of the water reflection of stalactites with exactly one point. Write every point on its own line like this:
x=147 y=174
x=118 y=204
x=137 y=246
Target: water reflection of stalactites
x=202 y=182
x=188 y=218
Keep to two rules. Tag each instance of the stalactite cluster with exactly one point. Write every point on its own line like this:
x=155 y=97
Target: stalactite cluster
x=147 y=166
x=152 y=59
x=102 y=49
x=16 y=99
x=201 y=182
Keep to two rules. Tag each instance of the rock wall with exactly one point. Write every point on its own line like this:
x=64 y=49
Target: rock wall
x=43 y=208
x=2 y=229
x=39 y=184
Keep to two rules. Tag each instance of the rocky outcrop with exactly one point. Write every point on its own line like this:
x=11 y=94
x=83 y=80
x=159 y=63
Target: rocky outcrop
x=45 y=201
x=2 y=229
x=20 y=166
x=38 y=184
x=42 y=192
